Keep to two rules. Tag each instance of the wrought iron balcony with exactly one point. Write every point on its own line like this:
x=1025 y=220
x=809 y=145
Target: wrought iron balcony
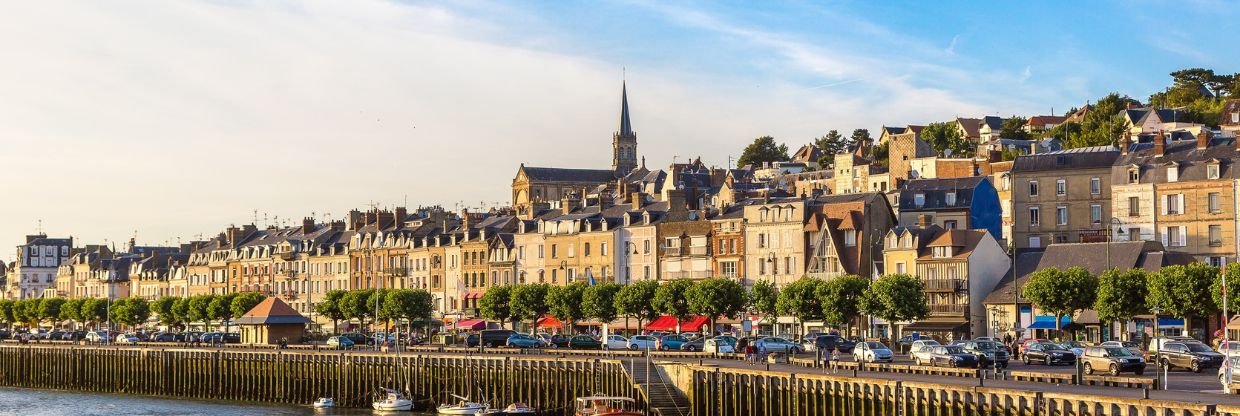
x=944 y=285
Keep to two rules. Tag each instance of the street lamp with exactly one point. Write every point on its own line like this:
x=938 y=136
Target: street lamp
x=1114 y=223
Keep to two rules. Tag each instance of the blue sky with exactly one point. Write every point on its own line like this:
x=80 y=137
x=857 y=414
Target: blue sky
x=174 y=119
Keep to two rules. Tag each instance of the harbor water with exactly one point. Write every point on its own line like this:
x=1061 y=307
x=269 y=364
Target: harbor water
x=30 y=402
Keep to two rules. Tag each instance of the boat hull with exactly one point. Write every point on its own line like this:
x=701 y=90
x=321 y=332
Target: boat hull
x=393 y=407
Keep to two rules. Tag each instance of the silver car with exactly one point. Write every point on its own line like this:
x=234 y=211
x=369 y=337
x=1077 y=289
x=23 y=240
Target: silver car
x=921 y=349
x=776 y=344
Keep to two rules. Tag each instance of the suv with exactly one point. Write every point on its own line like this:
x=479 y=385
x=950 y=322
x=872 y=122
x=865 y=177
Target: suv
x=1156 y=344
x=359 y=338
x=1114 y=359
x=495 y=337
x=1191 y=355
x=989 y=353
x=920 y=350
x=1048 y=353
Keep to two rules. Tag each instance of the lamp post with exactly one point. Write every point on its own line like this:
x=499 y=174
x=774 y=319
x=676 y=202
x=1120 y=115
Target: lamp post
x=1015 y=282
x=1114 y=223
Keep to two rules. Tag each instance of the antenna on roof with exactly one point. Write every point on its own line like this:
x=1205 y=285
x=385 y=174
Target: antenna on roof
x=255 y=217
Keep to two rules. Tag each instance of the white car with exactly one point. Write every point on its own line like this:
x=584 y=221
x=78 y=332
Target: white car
x=96 y=337
x=920 y=350
x=643 y=342
x=777 y=344
x=872 y=352
x=1131 y=346
x=715 y=345
x=126 y=339
x=1232 y=365
x=616 y=342
x=1230 y=349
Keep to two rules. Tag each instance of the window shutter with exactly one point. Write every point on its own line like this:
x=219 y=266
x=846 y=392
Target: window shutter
x=1166 y=201
x=1180 y=201
x=1165 y=233
x=1183 y=236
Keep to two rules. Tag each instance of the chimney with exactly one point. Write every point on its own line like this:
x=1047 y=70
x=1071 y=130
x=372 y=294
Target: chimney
x=402 y=215
x=307 y=225
x=1124 y=144
x=1132 y=105
x=1203 y=139
x=570 y=202
x=231 y=234
x=638 y=199
x=1160 y=143
x=996 y=156
x=923 y=221
x=676 y=209
x=355 y=220
x=465 y=218
x=337 y=225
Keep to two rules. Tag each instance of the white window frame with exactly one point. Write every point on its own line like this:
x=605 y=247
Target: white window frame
x=1035 y=216
x=1095 y=214
x=1061 y=187
x=1173 y=173
x=1061 y=215
x=1034 y=190
x=1095 y=185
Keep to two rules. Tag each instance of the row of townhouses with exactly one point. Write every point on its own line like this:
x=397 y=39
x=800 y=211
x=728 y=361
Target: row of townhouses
x=1165 y=195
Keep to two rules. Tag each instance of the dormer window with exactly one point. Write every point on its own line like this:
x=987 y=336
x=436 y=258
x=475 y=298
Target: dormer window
x=1235 y=117
x=919 y=200
x=1134 y=175
x=1212 y=170
x=1173 y=173
x=942 y=252
x=895 y=241
x=950 y=198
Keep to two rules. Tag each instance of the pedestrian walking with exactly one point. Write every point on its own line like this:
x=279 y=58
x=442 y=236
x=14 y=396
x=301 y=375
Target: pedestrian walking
x=834 y=359
x=761 y=352
x=749 y=354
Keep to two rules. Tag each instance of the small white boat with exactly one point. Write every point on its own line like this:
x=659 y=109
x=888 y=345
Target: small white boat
x=324 y=403
x=515 y=409
x=463 y=407
x=388 y=400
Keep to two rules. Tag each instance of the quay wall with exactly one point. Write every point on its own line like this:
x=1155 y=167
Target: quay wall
x=298 y=378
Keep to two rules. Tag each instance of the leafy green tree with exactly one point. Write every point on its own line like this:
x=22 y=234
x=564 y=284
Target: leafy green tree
x=198 y=310
x=494 y=304
x=162 y=308
x=1014 y=128
x=180 y=310
x=94 y=310
x=356 y=305
x=220 y=309
x=408 y=304
x=861 y=137
x=636 y=300
x=30 y=312
x=880 y=154
x=1061 y=292
x=762 y=150
x=331 y=307
x=716 y=297
x=6 y=313
x=1184 y=291
x=240 y=305
x=763 y=298
x=564 y=302
x=599 y=302
x=896 y=298
x=1121 y=294
x=71 y=310
x=946 y=139
x=831 y=144
x=799 y=299
x=1102 y=125
x=841 y=299
x=529 y=301
x=1233 y=290
x=130 y=311
x=669 y=299
x=49 y=309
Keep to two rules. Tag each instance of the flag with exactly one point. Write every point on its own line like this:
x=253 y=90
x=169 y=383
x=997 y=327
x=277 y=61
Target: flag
x=590 y=277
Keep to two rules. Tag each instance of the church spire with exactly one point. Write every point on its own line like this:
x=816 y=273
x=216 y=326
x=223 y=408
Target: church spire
x=626 y=128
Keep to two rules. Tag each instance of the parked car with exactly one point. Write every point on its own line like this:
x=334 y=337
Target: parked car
x=1156 y=343
x=643 y=342
x=584 y=342
x=524 y=341
x=1132 y=346
x=989 y=353
x=777 y=344
x=127 y=339
x=212 y=338
x=1229 y=348
x=471 y=340
x=1194 y=356
x=1076 y=347
x=671 y=342
x=920 y=350
x=56 y=335
x=826 y=343
x=1048 y=353
x=560 y=340
x=872 y=352
x=340 y=342
x=617 y=342
x=5 y=334
x=721 y=345
x=694 y=345
x=951 y=356
x=164 y=337
x=546 y=339
x=1113 y=360
x=1028 y=343
x=98 y=337
x=1233 y=366
x=359 y=338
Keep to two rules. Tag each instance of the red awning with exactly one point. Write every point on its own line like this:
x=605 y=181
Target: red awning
x=548 y=321
x=694 y=324
x=664 y=323
x=473 y=295
x=471 y=324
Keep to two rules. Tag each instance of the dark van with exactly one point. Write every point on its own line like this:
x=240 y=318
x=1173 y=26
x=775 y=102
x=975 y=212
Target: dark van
x=493 y=337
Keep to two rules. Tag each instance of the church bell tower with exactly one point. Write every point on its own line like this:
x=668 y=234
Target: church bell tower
x=624 y=141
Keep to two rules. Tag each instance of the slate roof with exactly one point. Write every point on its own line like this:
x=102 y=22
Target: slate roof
x=569 y=175
x=935 y=191
x=970 y=126
x=1192 y=162
x=807 y=154
x=271 y=311
x=1079 y=158
x=994 y=122
x=626 y=128
x=1040 y=121
x=1148 y=255
x=1229 y=106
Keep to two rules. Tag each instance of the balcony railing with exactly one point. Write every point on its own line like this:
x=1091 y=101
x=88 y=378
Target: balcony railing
x=944 y=285
x=686 y=274
x=947 y=309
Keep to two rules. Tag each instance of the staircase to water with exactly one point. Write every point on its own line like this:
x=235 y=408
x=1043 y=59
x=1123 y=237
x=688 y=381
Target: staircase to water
x=662 y=396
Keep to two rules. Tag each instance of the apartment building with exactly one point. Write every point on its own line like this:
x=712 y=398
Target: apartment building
x=1062 y=197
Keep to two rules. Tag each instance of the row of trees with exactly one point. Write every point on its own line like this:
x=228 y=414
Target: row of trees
x=89 y=311
x=1188 y=291
x=370 y=305
x=766 y=149
x=839 y=301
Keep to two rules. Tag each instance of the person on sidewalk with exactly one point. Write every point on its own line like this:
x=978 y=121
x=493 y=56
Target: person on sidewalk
x=749 y=354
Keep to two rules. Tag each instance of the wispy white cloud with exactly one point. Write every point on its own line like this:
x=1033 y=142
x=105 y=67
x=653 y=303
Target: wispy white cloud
x=951 y=47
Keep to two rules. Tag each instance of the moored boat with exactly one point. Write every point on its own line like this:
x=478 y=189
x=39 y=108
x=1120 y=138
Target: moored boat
x=388 y=400
x=324 y=403
x=463 y=407
x=606 y=406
